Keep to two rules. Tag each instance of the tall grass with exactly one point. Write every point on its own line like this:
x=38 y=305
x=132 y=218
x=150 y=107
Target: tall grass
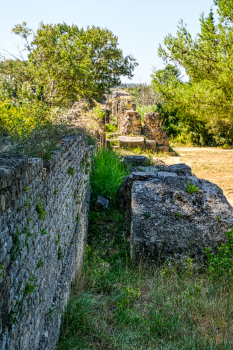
x=108 y=172
x=144 y=109
x=118 y=306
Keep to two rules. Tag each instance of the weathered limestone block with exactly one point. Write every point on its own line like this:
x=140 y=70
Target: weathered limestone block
x=153 y=131
x=151 y=145
x=130 y=123
x=131 y=142
x=169 y=223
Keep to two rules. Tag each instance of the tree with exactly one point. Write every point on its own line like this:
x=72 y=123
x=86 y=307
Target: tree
x=208 y=62
x=66 y=63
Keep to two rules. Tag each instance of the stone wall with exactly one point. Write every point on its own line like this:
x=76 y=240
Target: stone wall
x=130 y=123
x=43 y=226
x=153 y=131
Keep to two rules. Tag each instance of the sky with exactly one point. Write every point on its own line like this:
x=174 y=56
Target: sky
x=139 y=25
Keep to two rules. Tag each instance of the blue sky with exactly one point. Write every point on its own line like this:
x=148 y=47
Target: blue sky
x=139 y=25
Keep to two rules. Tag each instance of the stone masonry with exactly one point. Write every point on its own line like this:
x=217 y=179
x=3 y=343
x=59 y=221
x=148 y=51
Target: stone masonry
x=153 y=131
x=43 y=227
x=130 y=123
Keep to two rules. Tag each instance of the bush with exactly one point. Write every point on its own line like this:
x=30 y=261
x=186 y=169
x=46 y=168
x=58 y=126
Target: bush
x=221 y=264
x=98 y=112
x=144 y=109
x=108 y=172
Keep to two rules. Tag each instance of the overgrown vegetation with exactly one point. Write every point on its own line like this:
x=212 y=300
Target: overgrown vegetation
x=117 y=305
x=108 y=172
x=204 y=100
x=64 y=64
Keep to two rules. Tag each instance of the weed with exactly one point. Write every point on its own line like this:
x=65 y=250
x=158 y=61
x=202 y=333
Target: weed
x=1 y=268
x=70 y=171
x=27 y=189
x=28 y=202
x=43 y=231
x=40 y=209
x=56 y=191
x=192 y=188
x=60 y=255
x=147 y=215
x=221 y=264
x=58 y=239
x=110 y=128
x=178 y=214
x=40 y=263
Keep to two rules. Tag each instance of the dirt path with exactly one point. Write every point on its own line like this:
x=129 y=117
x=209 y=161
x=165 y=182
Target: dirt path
x=213 y=164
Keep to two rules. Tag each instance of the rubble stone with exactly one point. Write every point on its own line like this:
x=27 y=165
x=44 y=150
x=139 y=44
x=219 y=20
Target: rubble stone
x=102 y=203
x=130 y=123
x=152 y=129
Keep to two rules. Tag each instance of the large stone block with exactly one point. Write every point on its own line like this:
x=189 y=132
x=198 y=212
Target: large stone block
x=131 y=142
x=167 y=222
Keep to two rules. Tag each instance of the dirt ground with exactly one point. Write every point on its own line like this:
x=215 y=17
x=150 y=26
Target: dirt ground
x=213 y=164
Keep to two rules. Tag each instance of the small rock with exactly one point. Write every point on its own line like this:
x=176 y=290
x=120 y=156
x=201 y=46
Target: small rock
x=102 y=203
x=135 y=160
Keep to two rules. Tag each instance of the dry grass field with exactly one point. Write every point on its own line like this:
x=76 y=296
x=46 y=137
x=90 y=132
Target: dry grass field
x=213 y=164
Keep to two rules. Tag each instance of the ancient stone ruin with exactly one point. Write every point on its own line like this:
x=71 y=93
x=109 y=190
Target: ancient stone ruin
x=122 y=111
x=153 y=131
x=130 y=123
x=168 y=222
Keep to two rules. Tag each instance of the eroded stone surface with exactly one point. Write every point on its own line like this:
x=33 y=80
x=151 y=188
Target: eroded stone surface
x=131 y=142
x=153 y=131
x=169 y=223
x=49 y=249
x=130 y=123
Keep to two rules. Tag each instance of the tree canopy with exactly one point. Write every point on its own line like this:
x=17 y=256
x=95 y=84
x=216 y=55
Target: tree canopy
x=66 y=63
x=208 y=62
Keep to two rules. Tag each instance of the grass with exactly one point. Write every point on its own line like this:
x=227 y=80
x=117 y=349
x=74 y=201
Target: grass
x=31 y=129
x=144 y=109
x=108 y=173
x=118 y=305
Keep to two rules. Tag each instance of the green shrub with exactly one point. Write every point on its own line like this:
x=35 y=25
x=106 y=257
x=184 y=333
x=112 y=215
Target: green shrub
x=192 y=188
x=144 y=109
x=221 y=263
x=98 y=112
x=110 y=128
x=108 y=172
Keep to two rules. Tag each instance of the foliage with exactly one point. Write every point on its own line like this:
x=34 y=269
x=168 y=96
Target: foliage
x=66 y=63
x=98 y=111
x=207 y=60
x=108 y=172
x=40 y=209
x=143 y=109
x=144 y=95
x=192 y=188
x=221 y=264
x=117 y=305
x=110 y=128
x=70 y=171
